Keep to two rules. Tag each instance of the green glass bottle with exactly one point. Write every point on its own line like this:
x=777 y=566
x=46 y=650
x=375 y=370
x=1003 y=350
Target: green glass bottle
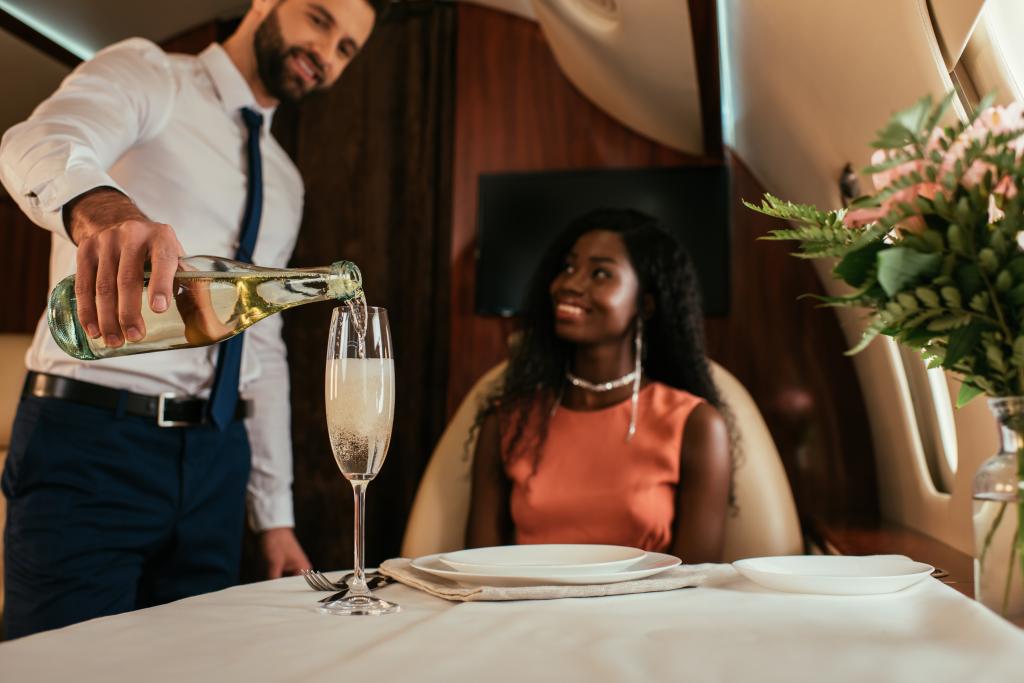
x=213 y=299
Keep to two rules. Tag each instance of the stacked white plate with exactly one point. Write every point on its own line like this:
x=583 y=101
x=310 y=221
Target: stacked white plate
x=545 y=565
x=835 y=574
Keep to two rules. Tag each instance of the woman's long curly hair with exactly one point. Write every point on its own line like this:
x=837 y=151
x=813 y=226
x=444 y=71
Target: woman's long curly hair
x=673 y=349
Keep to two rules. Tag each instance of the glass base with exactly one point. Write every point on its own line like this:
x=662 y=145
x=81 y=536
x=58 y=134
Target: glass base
x=358 y=605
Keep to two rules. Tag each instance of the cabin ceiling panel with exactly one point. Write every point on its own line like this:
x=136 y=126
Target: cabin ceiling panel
x=994 y=56
x=955 y=21
x=89 y=26
x=633 y=59
x=810 y=83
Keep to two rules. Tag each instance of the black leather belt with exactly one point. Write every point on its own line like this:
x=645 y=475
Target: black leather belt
x=167 y=409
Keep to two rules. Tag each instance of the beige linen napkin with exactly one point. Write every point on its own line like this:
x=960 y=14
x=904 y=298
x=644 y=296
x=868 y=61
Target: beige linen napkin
x=400 y=569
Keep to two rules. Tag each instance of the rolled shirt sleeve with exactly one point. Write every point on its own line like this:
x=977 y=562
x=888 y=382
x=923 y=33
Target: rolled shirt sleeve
x=119 y=98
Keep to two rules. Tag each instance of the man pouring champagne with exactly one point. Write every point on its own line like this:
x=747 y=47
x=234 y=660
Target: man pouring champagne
x=144 y=156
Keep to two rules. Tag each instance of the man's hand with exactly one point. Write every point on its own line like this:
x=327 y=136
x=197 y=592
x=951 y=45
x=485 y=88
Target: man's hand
x=114 y=241
x=283 y=553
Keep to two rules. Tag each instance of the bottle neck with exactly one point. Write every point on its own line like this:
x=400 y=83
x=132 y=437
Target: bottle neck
x=283 y=289
x=345 y=281
x=286 y=287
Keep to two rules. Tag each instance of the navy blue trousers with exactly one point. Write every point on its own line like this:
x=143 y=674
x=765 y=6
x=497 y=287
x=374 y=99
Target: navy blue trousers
x=108 y=513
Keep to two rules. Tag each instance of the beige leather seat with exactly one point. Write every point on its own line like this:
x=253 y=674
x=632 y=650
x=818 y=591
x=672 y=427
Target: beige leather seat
x=766 y=522
x=12 y=376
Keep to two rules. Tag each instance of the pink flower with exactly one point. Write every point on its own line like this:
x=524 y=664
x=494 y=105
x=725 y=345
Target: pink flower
x=955 y=153
x=995 y=121
x=935 y=139
x=1005 y=187
x=998 y=120
x=883 y=179
x=992 y=121
x=858 y=218
x=929 y=190
x=976 y=173
x=1017 y=145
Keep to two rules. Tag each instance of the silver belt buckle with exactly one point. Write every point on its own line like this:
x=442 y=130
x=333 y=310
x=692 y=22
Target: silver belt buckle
x=161 y=401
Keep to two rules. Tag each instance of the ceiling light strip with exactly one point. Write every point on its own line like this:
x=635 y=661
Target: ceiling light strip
x=47 y=31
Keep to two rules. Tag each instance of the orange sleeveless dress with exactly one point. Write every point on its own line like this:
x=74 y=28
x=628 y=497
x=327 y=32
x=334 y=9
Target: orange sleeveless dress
x=586 y=484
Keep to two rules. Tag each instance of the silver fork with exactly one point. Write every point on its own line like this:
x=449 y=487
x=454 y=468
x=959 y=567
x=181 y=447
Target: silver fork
x=319 y=582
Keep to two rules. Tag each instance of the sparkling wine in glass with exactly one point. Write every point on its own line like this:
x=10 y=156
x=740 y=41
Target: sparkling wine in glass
x=359 y=390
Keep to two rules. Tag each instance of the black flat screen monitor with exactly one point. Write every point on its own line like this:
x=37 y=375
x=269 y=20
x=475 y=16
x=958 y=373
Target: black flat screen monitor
x=519 y=215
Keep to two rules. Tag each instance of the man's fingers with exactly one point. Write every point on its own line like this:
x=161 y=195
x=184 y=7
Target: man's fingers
x=129 y=293
x=110 y=276
x=163 y=258
x=85 y=289
x=295 y=562
x=298 y=567
x=274 y=566
x=106 y=292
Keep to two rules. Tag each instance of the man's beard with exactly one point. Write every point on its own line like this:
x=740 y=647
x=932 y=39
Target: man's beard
x=271 y=62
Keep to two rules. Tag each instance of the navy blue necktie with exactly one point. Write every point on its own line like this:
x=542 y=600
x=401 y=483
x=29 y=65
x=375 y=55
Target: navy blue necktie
x=224 y=394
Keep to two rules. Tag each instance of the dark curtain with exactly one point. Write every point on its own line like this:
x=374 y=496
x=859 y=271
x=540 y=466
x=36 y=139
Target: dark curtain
x=375 y=153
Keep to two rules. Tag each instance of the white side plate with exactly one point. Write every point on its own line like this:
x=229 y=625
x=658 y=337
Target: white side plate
x=834 y=574
x=545 y=560
x=651 y=564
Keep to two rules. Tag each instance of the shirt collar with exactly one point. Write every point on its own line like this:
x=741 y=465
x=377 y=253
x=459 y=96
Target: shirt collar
x=232 y=89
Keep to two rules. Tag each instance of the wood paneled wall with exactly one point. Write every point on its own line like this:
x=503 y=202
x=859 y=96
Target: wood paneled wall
x=789 y=355
x=516 y=112
x=24 y=268
x=375 y=154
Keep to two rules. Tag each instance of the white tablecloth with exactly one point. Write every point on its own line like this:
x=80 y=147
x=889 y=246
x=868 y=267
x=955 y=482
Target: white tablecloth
x=730 y=631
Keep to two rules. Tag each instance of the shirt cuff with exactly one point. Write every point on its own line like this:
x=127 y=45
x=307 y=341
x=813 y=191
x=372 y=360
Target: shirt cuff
x=270 y=511
x=49 y=201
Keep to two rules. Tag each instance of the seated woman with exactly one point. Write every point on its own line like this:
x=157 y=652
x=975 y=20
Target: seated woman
x=607 y=427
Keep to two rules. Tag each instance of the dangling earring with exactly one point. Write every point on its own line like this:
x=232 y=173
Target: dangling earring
x=558 y=400
x=638 y=348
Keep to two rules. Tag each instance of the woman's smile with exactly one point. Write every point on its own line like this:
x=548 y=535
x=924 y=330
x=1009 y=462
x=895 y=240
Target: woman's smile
x=569 y=312
x=594 y=295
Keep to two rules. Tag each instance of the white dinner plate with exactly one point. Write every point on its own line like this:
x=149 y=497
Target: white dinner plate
x=651 y=564
x=545 y=560
x=834 y=574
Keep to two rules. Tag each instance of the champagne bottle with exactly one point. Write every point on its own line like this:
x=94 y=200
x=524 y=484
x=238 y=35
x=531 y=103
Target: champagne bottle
x=213 y=299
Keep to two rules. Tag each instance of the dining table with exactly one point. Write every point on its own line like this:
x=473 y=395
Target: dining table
x=728 y=629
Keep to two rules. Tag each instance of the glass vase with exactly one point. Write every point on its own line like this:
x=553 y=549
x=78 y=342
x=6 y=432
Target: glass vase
x=998 y=513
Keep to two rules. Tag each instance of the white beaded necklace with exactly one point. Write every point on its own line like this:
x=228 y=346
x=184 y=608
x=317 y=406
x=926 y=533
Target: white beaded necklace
x=600 y=387
x=634 y=377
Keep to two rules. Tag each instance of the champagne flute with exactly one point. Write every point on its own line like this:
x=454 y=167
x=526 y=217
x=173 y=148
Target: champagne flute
x=359 y=389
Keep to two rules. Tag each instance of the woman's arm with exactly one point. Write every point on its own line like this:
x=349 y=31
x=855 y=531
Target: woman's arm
x=490 y=522
x=702 y=500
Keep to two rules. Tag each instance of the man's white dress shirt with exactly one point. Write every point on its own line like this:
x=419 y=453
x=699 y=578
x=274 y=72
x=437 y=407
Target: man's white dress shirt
x=166 y=130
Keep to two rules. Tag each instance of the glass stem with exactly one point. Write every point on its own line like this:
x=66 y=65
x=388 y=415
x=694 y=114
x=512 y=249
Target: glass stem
x=357 y=585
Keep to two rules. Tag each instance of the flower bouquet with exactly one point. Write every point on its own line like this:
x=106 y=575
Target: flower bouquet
x=934 y=256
